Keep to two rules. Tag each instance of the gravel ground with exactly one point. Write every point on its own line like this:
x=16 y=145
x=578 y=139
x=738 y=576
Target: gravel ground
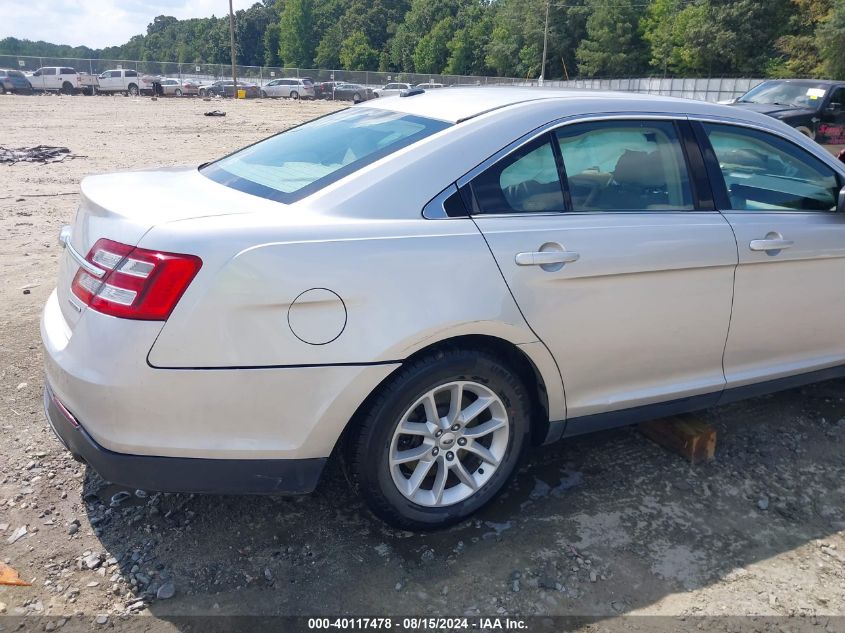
x=606 y=525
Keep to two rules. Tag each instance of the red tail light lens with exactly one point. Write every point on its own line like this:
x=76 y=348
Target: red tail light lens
x=137 y=283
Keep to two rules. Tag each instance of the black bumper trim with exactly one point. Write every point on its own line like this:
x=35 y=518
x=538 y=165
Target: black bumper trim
x=185 y=474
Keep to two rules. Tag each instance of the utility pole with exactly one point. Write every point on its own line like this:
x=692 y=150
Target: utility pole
x=232 y=41
x=545 y=43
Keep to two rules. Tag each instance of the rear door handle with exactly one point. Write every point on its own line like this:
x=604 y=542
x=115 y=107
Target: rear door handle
x=770 y=244
x=545 y=258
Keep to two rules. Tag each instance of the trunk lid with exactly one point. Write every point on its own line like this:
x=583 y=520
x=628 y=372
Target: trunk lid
x=124 y=206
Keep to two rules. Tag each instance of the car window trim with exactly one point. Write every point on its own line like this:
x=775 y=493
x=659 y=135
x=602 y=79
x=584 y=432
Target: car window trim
x=550 y=128
x=702 y=191
x=717 y=178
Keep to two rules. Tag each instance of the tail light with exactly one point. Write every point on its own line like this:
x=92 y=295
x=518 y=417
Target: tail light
x=137 y=283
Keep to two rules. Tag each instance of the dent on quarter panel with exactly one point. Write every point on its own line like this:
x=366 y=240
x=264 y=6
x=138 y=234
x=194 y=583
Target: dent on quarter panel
x=317 y=316
x=403 y=283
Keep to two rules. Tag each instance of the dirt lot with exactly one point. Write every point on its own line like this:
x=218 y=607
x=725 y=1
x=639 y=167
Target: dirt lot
x=606 y=525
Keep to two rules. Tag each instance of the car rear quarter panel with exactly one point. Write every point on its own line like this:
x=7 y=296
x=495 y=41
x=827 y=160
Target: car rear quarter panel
x=402 y=284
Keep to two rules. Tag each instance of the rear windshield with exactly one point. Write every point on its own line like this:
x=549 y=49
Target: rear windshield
x=304 y=159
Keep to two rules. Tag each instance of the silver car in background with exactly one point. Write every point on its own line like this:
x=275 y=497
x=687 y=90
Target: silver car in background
x=174 y=87
x=428 y=285
x=390 y=90
x=288 y=88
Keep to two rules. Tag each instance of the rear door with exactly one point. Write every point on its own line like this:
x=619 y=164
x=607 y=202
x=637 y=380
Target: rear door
x=790 y=298
x=623 y=269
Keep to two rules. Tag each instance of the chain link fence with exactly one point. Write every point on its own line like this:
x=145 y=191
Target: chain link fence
x=255 y=74
x=704 y=89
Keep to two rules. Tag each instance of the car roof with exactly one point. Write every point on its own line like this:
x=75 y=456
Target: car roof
x=459 y=104
x=805 y=82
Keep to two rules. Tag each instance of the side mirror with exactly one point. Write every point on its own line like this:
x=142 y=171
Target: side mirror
x=840 y=204
x=834 y=108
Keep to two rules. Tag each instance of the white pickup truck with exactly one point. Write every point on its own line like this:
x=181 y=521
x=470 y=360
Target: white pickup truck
x=60 y=79
x=125 y=80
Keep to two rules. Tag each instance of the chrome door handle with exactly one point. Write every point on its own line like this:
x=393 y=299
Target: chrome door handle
x=770 y=244
x=546 y=258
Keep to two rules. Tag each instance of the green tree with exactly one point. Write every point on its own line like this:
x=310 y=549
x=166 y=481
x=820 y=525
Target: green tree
x=613 y=46
x=328 y=50
x=357 y=54
x=296 y=36
x=831 y=41
x=431 y=52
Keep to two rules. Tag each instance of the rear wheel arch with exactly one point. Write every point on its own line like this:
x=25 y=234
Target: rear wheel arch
x=806 y=131
x=509 y=353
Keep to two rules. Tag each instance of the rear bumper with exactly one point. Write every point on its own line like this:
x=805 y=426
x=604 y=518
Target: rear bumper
x=182 y=474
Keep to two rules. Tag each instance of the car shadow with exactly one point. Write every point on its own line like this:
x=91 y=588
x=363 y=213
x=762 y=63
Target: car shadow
x=597 y=526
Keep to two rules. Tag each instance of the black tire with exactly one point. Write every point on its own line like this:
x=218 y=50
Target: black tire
x=132 y=91
x=263 y=95
x=294 y=95
x=369 y=441
x=67 y=88
x=178 y=92
x=2 y=89
x=356 y=98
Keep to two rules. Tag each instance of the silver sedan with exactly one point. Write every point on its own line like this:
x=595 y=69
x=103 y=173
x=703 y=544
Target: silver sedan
x=431 y=284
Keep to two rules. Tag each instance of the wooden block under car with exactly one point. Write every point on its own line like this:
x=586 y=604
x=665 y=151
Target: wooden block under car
x=689 y=437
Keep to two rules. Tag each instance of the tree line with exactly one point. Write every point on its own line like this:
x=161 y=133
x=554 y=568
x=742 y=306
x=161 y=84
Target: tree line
x=586 y=38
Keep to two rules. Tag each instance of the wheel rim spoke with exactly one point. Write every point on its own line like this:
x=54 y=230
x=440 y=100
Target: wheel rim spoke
x=486 y=428
x=430 y=407
x=456 y=394
x=420 y=472
x=463 y=475
x=482 y=452
x=439 y=481
x=411 y=454
x=414 y=428
x=474 y=410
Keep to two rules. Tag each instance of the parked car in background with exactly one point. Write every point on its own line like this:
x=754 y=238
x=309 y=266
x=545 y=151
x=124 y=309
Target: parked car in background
x=226 y=88
x=353 y=92
x=288 y=88
x=391 y=89
x=530 y=235
x=60 y=79
x=14 y=81
x=816 y=108
x=429 y=86
x=123 y=80
x=325 y=89
x=172 y=87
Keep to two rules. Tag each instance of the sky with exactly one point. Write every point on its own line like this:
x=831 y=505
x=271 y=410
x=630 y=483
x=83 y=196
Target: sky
x=98 y=23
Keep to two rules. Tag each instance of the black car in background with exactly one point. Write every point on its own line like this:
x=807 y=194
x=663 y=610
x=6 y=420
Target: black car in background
x=14 y=81
x=815 y=108
x=325 y=89
x=353 y=92
x=226 y=88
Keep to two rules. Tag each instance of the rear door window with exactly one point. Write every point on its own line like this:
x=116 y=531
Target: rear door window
x=526 y=181
x=763 y=172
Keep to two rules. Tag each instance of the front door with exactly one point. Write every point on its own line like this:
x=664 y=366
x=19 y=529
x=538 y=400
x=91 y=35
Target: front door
x=831 y=130
x=624 y=272
x=789 y=300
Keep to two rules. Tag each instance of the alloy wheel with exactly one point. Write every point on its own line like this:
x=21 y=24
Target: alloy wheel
x=449 y=443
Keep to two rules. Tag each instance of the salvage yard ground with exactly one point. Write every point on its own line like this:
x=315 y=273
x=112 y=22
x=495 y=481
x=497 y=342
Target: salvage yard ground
x=604 y=525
